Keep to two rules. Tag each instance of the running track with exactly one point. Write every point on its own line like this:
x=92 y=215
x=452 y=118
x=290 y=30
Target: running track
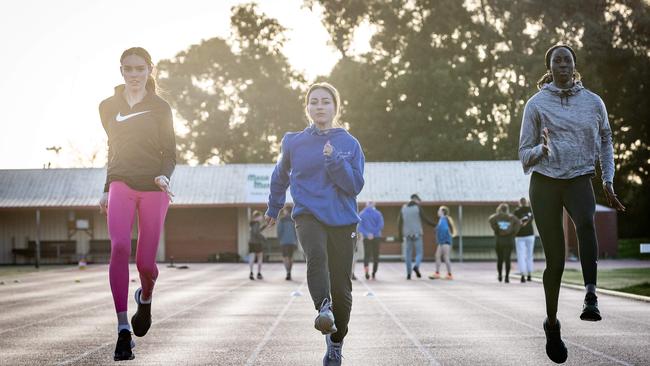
x=211 y=314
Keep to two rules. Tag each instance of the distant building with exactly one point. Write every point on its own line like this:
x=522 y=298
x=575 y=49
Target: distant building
x=208 y=219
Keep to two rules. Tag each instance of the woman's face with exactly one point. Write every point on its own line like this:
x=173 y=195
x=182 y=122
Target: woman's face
x=441 y=213
x=135 y=72
x=321 y=108
x=562 y=66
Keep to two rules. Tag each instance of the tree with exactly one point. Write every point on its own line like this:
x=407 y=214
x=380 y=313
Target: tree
x=447 y=80
x=236 y=97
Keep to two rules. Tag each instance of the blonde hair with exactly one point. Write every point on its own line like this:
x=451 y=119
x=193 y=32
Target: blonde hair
x=452 y=224
x=335 y=96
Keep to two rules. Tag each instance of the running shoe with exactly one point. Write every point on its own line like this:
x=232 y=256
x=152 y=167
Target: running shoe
x=500 y=278
x=434 y=276
x=529 y=278
x=251 y=276
x=324 y=321
x=408 y=276
x=507 y=279
x=373 y=275
x=523 y=279
x=449 y=276
x=141 y=320
x=417 y=271
x=367 y=276
x=333 y=355
x=590 y=310
x=288 y=278
x=259 y=276
x=124 y=346
x=555 y=348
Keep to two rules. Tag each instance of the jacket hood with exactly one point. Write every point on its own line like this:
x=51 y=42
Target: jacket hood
x=563 y=94
x=313 y=130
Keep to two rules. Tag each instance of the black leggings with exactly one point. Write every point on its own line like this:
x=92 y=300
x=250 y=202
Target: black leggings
x=504 y=250
x=329 y=251
x=371 y=251
x=548 y=198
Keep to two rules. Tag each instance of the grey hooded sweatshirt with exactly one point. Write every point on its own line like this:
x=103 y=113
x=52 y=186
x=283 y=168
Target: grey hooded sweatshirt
x=579 y=134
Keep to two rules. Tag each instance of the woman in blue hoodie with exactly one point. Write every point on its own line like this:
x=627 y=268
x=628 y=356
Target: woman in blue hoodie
x=564 y=131
x=323 y=167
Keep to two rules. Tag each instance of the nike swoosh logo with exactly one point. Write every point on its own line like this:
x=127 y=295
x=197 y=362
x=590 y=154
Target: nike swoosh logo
x=121 y=118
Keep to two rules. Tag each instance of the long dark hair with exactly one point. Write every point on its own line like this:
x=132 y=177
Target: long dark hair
x=548 y=76
x=139 y=51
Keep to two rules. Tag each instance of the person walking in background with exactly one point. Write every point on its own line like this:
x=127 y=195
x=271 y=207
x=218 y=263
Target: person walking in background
x=409 y=226
x=256 y=244
x=505 y=226
x=525 y=239
x=141 y=160
x=370 y=227
x=565 y=129
x=445 y=231
x=287 y=238
x=323 y=165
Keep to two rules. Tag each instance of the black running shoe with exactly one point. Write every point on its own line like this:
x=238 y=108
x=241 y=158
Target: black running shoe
x=590 y=310
x=408 y=276
x=259 y=276
x=373 y=275
x=555 y=348
x=417 y=271
x=367 y=276
x=529 y=278
x=123 y=347
x=523 y=279
x=251 y=276
x=500 y=278
x=507 y=280
x=141 y=320
x=288 y=278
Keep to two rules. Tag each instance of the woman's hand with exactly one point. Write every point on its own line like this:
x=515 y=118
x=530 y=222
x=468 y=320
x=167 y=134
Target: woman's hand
x=103 y=203
x=163 y=183
x=611 y=197
x=545 y=141
x=328 y=149
x=269 y=221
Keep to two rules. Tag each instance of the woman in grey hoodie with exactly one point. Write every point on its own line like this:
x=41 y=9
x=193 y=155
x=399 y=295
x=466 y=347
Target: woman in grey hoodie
x=564 y=131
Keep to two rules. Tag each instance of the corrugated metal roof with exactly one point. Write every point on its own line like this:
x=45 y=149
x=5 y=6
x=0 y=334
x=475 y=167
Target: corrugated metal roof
x=470 y=182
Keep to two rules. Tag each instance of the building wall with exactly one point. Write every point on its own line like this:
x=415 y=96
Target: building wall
x=198 y=234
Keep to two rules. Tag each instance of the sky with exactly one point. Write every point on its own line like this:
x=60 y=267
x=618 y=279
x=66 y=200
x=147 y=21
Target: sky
x=61 y=58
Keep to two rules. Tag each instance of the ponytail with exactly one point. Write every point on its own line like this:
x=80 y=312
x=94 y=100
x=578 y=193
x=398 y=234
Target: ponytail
x=151 y=85
x=548 y=78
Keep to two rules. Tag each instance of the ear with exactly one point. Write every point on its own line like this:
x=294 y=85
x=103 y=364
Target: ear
x=121 y=71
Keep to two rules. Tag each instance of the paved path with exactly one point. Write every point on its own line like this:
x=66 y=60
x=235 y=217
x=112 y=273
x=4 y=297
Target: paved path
x=211 y=314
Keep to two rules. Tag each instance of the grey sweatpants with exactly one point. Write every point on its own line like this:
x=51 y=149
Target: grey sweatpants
x=329 y=251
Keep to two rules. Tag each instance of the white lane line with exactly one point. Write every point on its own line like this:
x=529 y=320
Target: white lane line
x=414 y=340
x=87 y=353
x=269 y=332
x=86 y=309
x=593 y=351
x=163 y=288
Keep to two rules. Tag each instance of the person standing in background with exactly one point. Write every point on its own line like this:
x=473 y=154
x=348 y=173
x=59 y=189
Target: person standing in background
x=287 y=239
x=505 y=226
x=525 y=239
x=370 y=227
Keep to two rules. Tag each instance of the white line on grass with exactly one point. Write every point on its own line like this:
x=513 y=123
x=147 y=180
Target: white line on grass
x=88 y=353
x=414 y=340
x=269 y=332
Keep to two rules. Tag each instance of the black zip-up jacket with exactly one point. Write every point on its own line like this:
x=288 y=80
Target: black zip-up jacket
x=141 y=140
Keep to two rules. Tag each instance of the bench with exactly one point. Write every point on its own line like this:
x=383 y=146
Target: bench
x=61 y=251
x=99 y=250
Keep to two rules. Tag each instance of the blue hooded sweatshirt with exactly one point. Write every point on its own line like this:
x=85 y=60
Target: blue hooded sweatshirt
x=372 y=222
x=443 y=231
x=323 y=186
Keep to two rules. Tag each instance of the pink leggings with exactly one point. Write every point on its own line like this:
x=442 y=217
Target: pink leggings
x=122 y=205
